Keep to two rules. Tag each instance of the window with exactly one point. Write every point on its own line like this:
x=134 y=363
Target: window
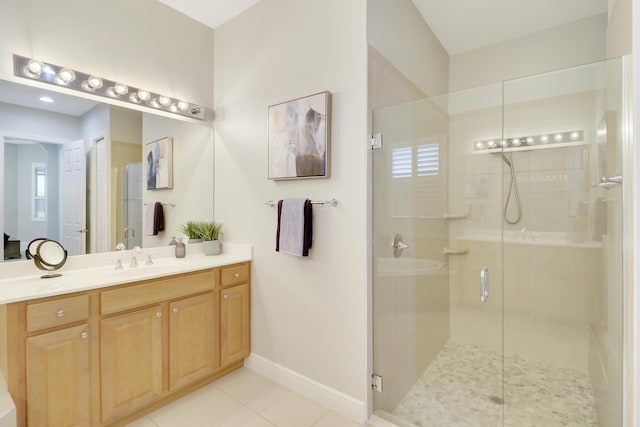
x=402 y=162
x=427 y=161
x=39 y=192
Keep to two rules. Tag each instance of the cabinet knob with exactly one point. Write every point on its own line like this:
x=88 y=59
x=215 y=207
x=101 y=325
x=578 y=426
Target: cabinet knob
x=159 y=314
x=175 y=309
x=225 y=296
x=60 y=313
x=236 y=275
x=84 y=335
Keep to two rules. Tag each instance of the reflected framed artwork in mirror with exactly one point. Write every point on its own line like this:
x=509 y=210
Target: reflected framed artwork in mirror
x=299 y=137
x=159 y=158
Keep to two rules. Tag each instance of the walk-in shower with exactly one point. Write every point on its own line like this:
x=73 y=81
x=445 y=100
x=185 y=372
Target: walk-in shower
x=539 y=341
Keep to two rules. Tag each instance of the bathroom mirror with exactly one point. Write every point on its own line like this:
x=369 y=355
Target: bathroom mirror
x=74 y=171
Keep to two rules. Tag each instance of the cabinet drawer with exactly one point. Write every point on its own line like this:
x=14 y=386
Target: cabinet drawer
x=233 y=275
x=58 y=312
x=138 y=295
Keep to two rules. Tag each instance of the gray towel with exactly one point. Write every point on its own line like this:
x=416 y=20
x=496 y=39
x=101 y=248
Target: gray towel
x=294 y=227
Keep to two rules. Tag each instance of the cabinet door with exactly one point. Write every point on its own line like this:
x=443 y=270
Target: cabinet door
x=58 y=378
x=192 y=332
x=131 y=361
x=235 y=340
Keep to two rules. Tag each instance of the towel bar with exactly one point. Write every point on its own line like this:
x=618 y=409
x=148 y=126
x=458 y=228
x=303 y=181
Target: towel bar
x=332 y=202
x=172 y=204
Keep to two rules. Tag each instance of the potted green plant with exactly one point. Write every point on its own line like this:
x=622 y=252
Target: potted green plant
x=192 y=231
x=209 y=231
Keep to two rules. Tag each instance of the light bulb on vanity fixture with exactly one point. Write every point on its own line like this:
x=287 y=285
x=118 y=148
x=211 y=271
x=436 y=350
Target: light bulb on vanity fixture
x=118 y=89
x=531 y=142
x=44 y=72
x=65 y=76
x=34 y=67
x=92 y=83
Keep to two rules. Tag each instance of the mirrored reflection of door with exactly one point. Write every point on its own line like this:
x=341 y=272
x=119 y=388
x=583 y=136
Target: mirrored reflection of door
x=437 y=344
x=527 y=181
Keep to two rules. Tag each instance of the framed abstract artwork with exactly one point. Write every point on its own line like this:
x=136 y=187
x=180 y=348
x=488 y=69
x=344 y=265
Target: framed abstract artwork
x=299 y=137
x=158 y=156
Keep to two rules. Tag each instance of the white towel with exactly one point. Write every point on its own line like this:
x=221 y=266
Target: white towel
x=292 y=226
x=148 y=218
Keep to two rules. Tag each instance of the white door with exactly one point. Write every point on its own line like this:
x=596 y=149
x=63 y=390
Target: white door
x=73 y=189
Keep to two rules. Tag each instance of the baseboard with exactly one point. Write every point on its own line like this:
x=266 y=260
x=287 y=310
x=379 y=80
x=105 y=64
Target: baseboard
x=326 y=396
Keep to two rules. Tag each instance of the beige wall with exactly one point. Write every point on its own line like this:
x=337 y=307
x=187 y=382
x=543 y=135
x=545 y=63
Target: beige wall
x=396 y=29
x=580 y=42
x=142 y=43
x=619 y=28
x=308 y=314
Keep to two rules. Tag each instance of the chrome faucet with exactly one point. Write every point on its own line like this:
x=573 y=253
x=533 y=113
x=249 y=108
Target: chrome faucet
x=398 y=245
x=134 y=261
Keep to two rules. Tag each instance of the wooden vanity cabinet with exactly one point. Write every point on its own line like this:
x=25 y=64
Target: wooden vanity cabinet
x=57 y=362
x=193 y=348
x=130 y=361
x=107 y=356
x=235 y=317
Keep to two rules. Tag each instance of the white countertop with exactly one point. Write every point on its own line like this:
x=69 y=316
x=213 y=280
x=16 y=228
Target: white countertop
x=21 y=281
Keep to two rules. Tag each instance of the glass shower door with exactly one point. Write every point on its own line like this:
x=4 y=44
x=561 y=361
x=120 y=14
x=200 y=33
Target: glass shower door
x=437 y=256
x=523 y=180
x=563 y=258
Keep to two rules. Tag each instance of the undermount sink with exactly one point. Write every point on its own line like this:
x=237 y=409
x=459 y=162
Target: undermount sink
x=409 y=267
x=155 y=268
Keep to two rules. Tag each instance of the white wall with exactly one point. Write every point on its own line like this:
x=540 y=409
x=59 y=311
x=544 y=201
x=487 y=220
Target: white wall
x=192 y=175
x=142 y=43
x=309 y=314
x=580 y=42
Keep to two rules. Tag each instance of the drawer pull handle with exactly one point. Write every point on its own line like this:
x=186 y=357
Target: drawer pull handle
x=174 y=309
x=60 y=313
x=236 y=275
x=159 y=314
x=225 y=296
x=84 y=335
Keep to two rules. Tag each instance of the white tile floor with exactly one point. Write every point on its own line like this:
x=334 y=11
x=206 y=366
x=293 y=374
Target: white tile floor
x=243 y=399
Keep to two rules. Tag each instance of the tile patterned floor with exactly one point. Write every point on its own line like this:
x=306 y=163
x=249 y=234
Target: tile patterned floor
x=462 y=387
x=243 y=399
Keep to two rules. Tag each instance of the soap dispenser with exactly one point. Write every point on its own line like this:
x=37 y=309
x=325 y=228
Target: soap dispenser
x=180 y=249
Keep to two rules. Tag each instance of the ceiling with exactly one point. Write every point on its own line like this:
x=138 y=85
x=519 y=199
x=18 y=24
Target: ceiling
x=460 y=25
x=463 y=25
x=212 y=13
x=29 y=96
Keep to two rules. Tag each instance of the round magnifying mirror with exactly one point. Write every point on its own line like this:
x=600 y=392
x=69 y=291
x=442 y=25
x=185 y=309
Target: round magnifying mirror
x=32 y=247
x=50 y=256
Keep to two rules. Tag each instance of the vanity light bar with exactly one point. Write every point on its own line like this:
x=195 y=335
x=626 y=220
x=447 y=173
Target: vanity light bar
x=523 y=142
x=62 y=76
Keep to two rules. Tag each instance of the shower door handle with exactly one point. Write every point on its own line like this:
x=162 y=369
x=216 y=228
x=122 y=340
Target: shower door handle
x=484 y=284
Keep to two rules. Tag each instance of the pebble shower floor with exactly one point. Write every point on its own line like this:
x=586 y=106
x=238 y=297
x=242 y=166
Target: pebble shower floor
x=463 y=387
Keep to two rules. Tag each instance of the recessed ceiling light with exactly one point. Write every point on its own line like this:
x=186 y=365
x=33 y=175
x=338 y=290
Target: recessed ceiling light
x=46 y=99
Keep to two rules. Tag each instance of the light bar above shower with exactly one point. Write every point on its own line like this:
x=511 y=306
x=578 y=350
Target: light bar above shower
x=523 y=143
